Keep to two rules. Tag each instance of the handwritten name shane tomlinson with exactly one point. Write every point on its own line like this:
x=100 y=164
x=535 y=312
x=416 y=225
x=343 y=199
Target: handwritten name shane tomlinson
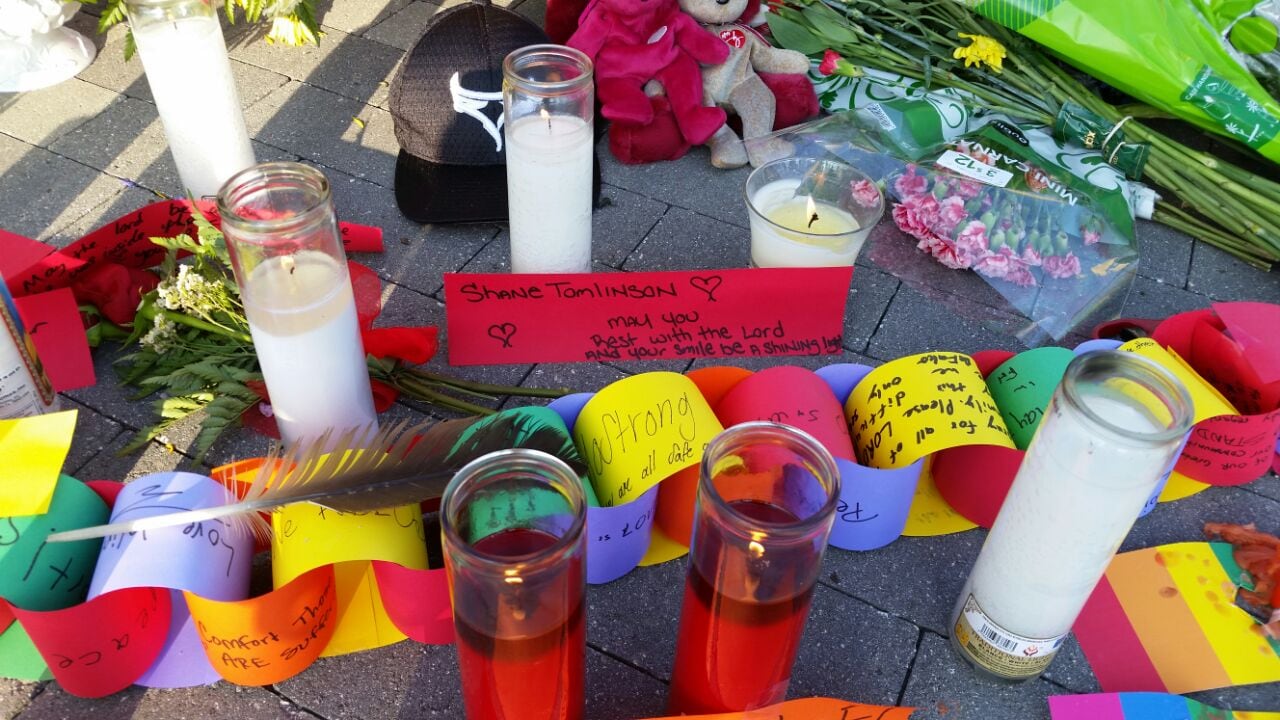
x=567 y=290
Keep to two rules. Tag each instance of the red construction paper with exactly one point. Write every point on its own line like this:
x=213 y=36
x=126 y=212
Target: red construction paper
x=792 y=396
x=974 y=479
x=53 y=319
x=6 y=617
x=126 y=241
x=989 y=360
x=1254 y=325
x=108 y=490
x=1221 y=361
x=19 y=254
x=509 y=318
x=417 y=601
x=102 y=646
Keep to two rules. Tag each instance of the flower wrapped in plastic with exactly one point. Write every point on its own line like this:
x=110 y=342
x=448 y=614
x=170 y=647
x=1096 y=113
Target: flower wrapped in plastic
x=1004 y=223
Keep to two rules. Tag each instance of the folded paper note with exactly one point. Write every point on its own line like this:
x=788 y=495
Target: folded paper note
x=505 y=318
x=1164 y=619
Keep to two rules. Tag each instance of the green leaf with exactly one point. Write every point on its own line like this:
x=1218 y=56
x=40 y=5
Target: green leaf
x=832 y=25
x=130 y=45
x=795 y=36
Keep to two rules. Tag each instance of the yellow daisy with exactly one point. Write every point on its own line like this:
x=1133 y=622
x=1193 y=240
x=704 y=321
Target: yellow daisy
x=983 y=51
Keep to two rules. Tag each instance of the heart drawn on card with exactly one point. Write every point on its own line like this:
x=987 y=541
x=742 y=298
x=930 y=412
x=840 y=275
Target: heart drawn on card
x=707 y=284
x=503 y=333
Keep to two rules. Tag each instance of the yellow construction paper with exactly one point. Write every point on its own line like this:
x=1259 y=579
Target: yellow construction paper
x=662 y=548
x=920 y=404
x=1180 y=486
x=306 y=536
x=1210 y=595
x=640 y=430
x=1205 y=398
x=32 y=450
x=929 y=514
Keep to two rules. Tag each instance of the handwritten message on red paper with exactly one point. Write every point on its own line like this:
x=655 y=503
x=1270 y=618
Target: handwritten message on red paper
x=496 y=319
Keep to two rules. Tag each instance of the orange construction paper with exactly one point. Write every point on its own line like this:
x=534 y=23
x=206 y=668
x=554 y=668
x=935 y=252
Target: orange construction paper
x=270 y=638
x=102 y=646
x=676 y=498
x=714 y=382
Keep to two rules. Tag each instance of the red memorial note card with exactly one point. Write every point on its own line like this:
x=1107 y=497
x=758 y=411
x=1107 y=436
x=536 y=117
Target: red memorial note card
x=507 y=318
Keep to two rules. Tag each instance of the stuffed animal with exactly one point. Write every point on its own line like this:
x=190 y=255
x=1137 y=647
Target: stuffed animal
x=634 y=41
x=735 y=84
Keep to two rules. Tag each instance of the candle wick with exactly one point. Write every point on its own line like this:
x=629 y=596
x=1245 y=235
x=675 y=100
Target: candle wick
x=812 y=219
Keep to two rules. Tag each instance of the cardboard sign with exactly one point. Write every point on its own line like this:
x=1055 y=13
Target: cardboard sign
x=506 y=318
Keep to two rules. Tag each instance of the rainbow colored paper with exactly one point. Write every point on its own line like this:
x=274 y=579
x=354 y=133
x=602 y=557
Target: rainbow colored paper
x=1164 y=619
x=1143 y=706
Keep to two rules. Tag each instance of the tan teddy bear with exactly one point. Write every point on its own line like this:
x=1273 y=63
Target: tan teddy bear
x=734 y=85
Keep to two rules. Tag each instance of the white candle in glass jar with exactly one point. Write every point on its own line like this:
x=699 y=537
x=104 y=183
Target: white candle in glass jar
x=794 y=230
x=190 y=78
x=1064 y=518
x=549 y=178
x=302 y=315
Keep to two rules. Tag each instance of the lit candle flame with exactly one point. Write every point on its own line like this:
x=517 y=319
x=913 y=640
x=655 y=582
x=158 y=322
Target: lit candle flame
x=545 y=116
x=811 y=209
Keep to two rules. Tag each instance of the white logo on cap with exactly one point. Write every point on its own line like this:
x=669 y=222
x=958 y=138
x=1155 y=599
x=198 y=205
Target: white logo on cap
x=471 y=102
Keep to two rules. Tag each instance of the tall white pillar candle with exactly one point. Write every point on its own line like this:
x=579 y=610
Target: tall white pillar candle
x=185 y=58
x=548 y=111
x=292 y=271
x=1113 y=427
x=549 y=193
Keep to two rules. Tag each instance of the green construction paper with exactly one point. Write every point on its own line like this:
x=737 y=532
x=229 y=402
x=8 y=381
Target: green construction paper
x=1022 y=387
x=35 y=575
x=19 y=659
x=494 y=511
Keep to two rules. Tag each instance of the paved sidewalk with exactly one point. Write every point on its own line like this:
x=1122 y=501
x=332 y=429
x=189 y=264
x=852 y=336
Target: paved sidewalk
x=91 y=149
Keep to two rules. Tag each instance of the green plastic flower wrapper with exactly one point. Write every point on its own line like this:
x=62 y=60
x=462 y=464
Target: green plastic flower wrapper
x=1006 y=225
x=1172 y=54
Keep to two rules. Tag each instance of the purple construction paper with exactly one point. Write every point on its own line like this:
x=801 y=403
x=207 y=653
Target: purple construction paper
x=182 y=662
x=211 y=559
x=1100 y=344
x=843 y=377
x=874 y=504
x=618 y=537
x=569 y=406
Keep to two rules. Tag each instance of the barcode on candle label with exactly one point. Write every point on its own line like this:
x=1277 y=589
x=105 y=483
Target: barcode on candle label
x=999 y=651
x=972 y=168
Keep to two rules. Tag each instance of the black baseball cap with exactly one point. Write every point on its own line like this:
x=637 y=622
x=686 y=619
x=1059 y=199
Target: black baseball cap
x=446 y=105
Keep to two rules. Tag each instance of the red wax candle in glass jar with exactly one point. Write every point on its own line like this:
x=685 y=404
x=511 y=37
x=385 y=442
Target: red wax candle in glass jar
x=767 y=495
x=512 y=523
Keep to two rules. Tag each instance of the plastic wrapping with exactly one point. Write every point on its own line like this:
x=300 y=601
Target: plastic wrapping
x=1047 y=232
x=1191 y=58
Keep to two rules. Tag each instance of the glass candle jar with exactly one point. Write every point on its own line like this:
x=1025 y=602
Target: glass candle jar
x=292 y=271
x=1113 y=427
x=810 y=212
x=549 y=105
x=767 y=496
x=512 y=524
x=185 y=58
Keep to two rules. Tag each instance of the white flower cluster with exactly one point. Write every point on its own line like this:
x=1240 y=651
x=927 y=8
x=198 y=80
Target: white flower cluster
x=190 y=292
x=162 y=335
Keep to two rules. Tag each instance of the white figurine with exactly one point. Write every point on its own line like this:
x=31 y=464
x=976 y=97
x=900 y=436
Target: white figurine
x=35 y=50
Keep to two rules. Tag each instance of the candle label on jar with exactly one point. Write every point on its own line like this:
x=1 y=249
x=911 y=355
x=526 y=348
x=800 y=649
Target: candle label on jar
x=973 y=168
x=999 y=651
